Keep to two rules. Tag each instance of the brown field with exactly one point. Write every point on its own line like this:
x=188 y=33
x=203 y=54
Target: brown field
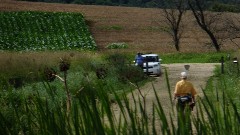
x=140 y=28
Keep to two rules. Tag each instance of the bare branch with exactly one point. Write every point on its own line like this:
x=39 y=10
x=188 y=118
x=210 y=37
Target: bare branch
x=207 y=25
x=173 y=16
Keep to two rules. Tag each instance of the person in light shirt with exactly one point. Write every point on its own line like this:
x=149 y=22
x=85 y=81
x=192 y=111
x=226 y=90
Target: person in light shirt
x=185 y=89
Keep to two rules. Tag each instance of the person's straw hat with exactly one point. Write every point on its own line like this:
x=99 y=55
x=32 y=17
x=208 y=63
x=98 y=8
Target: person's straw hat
x=183 y=74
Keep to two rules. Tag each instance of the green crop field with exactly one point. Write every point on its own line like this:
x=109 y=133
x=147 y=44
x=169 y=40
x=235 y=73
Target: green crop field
x=23 y=31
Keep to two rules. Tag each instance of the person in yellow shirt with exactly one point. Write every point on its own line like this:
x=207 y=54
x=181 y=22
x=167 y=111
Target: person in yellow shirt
x=184 y=92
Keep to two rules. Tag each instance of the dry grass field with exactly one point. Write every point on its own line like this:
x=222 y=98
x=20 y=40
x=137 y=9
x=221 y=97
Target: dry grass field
x=140 y=28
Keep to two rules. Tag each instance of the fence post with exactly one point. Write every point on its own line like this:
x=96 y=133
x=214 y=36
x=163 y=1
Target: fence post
x=222 y=65
x=235 y=61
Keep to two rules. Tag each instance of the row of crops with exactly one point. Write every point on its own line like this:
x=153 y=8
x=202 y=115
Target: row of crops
x=28 y=30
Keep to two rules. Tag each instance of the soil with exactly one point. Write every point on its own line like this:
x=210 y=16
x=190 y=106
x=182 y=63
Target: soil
x=198 y=74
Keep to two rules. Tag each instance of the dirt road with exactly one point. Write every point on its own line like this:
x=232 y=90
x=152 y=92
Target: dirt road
x=198 y=74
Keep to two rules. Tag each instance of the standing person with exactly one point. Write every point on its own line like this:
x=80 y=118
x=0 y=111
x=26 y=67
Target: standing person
x=139 y=60
x=184 y=93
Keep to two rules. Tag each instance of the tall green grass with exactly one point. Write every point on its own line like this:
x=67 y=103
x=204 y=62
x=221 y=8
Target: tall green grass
x=43 y=111
x=211 y=57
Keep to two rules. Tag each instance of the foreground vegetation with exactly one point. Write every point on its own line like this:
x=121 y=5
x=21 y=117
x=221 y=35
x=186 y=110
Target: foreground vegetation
x=40 y=107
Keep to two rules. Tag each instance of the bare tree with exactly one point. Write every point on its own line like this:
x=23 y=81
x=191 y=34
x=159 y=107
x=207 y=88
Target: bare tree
x=173 y=13
x=233 y=28
x=207 y=22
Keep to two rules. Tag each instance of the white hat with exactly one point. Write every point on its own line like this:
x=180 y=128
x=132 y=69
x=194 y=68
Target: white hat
x=183 y=75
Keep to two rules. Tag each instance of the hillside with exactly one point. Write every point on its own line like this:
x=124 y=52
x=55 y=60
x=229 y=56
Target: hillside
x=141 y=28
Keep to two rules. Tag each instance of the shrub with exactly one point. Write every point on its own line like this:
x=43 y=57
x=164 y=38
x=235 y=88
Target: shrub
x=125 y=71
x=133 y=74
x=117 y=46
x=114 y=27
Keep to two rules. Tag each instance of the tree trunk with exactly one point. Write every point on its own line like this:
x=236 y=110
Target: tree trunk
x=199 y=15
x=214 y=40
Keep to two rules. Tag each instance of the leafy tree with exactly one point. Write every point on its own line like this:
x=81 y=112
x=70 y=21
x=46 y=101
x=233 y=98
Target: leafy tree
x=145 y=3
x=134 y=3
x=221 y=7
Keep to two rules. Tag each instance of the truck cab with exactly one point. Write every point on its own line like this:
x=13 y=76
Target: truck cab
x=152 y=64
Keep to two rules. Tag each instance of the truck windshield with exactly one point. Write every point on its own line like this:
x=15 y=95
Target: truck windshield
x=152 y=59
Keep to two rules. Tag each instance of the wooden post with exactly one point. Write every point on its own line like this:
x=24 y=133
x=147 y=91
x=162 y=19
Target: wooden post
x=235 y=61
x=147 y=64
x=222 y=65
